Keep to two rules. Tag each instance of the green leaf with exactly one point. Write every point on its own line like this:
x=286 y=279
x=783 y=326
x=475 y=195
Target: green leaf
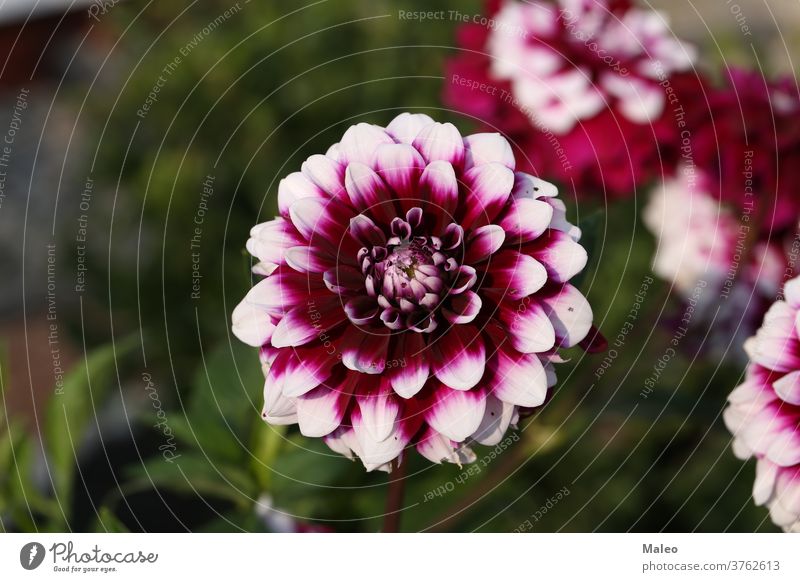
x=72 y=408
x=225 y=403
x=193 y=473
x=304 y=477
x=108 y=522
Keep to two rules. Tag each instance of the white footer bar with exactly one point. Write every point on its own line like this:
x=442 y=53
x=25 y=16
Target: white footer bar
x=375 y=557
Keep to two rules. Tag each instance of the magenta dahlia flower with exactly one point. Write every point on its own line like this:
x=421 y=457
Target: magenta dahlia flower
x=415 y=293
x=747 y=140
x=583 y=86
x=764 y=411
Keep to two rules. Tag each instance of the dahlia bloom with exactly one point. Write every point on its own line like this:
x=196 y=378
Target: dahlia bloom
x=764 y=412
x=415 y=292
x=700 y=239
x=703 y=250
x=747 y=140
x=581 y=85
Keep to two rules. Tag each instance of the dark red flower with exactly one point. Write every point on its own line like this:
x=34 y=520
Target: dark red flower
x=415 y=293
x=746 y=140
x=587 y=89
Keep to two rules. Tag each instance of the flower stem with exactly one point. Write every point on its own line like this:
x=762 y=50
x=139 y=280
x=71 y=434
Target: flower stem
x=394 y=497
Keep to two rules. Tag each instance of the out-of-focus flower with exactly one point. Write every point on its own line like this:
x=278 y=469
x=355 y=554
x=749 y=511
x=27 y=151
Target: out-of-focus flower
x=764 y=411
x=705 y=250
x=415 y=293
x=700 y=239
x=747 y=141
x=582 y=86
x=575 y=59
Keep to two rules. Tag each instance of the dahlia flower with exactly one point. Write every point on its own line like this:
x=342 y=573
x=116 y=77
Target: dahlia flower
x=764 y=412
x=704 y=250
x=700 y=239
x=415 y=292
x=747 y=140
x=582 y=85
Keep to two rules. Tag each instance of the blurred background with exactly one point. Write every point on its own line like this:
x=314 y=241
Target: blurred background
x=126 y=402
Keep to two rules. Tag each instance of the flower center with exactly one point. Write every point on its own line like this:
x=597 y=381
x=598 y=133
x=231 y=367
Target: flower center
x=407 y=262
x=412 y=273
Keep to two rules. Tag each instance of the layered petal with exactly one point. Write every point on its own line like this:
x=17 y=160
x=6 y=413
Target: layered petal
x=456 y=414
x=295 y=372
x=488 y=148
x=438 y=186
x=570 y=314
x=360 y=141
x=488 y=188
x=321 y=410
x=438 y=448
x=496 y=420
x=530 y=329
x=560 y=254
x=406 y=127
x=484 y=242
x=294 y=187
x=380 y=410
x=251 y=324
x=269 y=240
x=440 y=142
x=365 y=349
x=400 y=166
x=376 y=453
x=459 y=357
x=517 y=378
x=326 y=173
x=317 y=219
x=410 y=365
x=514 y=275
x=309 y=321
x=525 y=220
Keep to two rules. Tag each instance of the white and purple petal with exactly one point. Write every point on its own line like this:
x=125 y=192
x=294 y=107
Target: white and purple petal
x=488 y=148
x=459 y=357
x=440 y=142
x=456 y=414
x=488 y=188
